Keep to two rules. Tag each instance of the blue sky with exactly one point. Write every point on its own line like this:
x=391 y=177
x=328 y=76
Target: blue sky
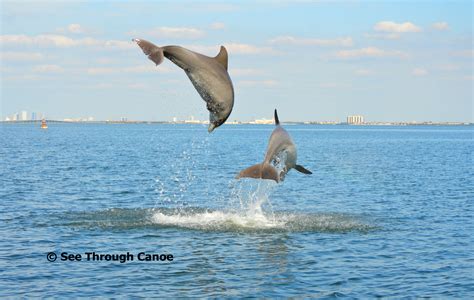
x=389 y=61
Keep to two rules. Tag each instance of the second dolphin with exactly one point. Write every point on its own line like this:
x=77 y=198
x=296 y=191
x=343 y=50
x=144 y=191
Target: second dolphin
x=281 y=151
x=208 y=75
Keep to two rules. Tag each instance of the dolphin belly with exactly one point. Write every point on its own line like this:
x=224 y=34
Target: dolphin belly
x=215 y=91
x=201 y=83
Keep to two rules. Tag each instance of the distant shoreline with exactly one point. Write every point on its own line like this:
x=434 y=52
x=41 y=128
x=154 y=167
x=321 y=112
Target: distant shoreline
x=428 y=123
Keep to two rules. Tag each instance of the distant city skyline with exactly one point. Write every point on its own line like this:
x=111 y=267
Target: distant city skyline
x=24 y=115
x=314 y=61
x=350 y=120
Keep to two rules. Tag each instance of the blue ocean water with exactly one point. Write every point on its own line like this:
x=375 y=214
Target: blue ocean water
x=387 y=212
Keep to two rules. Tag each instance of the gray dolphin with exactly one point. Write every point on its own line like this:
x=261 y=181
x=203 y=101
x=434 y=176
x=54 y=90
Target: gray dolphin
x=280 y=149
x=208 y=75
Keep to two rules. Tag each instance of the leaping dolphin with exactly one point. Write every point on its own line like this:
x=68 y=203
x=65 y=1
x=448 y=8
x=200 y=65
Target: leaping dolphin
x=208 y=75
x=280 y=149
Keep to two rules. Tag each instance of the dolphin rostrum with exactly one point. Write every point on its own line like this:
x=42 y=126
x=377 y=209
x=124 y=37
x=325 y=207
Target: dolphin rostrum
x=281 y=149
x=208 y=75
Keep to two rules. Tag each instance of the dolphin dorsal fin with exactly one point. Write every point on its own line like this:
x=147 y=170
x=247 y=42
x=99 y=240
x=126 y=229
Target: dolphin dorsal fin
x=222 y=57
x=277 y=122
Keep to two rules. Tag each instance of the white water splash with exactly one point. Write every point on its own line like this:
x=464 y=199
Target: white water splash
x=216 y=220
x=249 y=213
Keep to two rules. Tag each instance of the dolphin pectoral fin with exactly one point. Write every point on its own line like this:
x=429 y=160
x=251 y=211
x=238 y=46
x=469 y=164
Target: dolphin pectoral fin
x=222 y=57
x=154 y=53
x=302 y=169
x=260 y=171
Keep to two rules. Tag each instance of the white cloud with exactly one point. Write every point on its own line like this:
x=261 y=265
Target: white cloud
x=369 y=52
x=75 y=28
x=440 y=26
x=135 y=69
x=54 y=40
x=61 y=41
x=48 y=69
x=291 y=40
x=383 y=36
x=419 y=72
x=21 y=56
x=217 y=26
x=177 y=32
x=115 y=44
x=232 y=48
x=236 y=48
x=389 y=26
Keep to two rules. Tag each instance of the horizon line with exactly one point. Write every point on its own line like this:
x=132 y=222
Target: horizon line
x=184 y=122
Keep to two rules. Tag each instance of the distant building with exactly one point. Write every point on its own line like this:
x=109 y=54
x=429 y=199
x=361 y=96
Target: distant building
x=15 y=117
x=24 y=115
x=355 y=120
x=262 y=121
x=192 y=121
x=33 y=116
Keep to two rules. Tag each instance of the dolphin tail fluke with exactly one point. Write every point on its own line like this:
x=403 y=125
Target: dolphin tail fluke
x=302 y=169
x=154 y=53
x=277 y=121
x=260 y=171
